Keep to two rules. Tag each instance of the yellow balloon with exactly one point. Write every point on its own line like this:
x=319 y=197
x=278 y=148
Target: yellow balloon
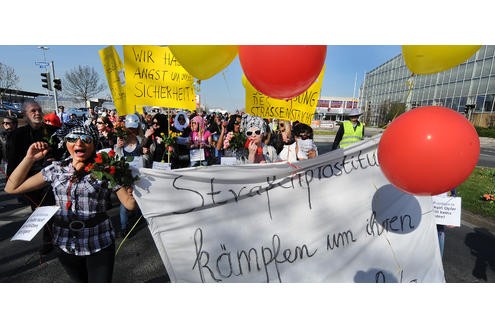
x=434 y=59
x=204 y=61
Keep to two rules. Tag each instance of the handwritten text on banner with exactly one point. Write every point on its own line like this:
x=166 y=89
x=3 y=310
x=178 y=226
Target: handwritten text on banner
x=301 y=108
x=154 y=77
x=334 y=218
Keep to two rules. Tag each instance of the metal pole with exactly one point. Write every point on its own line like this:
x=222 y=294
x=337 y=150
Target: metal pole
x=54 y=90
x=44 y=49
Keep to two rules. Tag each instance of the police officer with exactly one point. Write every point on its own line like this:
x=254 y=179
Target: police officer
x=350 y=131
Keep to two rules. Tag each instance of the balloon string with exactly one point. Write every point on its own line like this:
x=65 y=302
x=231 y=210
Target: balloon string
x=410 y=86
x=227 y=85
x=399 y=268
x=125 y=238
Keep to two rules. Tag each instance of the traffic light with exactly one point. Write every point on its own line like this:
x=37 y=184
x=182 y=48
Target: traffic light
x=45 y=79
x=57 y=84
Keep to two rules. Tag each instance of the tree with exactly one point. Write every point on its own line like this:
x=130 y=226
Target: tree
x=389 y=110
x=8 y=79
x=395 y=109
x=82 y=82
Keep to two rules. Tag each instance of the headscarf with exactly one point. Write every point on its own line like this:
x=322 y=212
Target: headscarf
x=200 y=121
x=77 y=126
x=54 y=119
x=177 y=125
x=249 y=121
x=162 y=120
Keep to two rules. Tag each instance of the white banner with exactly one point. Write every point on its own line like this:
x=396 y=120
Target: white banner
x=334 y=218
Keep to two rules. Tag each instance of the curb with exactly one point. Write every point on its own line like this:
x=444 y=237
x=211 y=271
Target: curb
x=477 y=221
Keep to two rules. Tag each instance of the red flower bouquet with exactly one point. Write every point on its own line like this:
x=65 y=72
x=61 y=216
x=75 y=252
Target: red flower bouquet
x=234 y=141
x=111 y=168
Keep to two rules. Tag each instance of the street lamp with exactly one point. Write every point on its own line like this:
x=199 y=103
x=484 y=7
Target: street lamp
x=44 y=49
x=56 y=82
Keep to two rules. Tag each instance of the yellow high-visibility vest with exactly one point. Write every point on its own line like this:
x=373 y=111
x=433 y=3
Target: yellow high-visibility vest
x=350 y=136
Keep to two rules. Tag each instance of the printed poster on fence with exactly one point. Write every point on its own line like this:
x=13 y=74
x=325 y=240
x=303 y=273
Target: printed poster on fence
x=114 y=72
x=301 y=108
x=334 y=218
x=154 y=77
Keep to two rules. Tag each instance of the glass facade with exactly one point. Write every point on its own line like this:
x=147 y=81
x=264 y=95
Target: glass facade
x=470 y=83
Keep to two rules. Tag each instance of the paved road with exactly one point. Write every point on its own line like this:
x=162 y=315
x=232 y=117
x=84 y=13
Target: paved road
x=469 y=254
x=487 y=157
x=137 y=260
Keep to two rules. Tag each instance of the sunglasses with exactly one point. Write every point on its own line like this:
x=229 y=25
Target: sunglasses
x=250 y=133
x=7 y=123
x=72 y=138
x=304 y=136
x=100 y=122
x=156 y=123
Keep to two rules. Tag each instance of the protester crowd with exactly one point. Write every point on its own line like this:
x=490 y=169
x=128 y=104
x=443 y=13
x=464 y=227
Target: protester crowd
x=46 y=162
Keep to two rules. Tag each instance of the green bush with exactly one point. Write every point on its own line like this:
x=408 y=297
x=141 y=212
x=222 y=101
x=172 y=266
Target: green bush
x=486 y=132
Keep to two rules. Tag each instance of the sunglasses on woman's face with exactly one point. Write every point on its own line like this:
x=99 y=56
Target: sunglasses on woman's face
x=304 y=136
x=98 y=122
x=72 y=138
x=250 y=133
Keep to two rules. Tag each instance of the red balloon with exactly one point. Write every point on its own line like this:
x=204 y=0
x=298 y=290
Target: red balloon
x=428 y=150
x=282 y=72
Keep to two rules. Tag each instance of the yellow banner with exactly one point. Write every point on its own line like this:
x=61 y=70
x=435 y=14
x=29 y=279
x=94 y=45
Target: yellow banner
x=114 y=71
x=154 y=77
x=301 y=108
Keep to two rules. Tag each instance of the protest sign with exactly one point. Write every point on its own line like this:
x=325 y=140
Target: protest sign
x=114 y=72
x=447 y=210
x=301 y=108
x=154 y=77
x=334 y=218
x=35 y=222
x=161 y=166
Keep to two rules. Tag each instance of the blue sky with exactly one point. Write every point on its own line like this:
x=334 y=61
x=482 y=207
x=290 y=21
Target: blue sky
x=223 y=90
x=380 y=26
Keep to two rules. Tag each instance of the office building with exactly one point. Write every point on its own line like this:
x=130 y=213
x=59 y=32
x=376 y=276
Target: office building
x=468 y=87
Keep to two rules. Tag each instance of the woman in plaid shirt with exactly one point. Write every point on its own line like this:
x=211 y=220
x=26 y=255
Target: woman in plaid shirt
x=82 y=230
